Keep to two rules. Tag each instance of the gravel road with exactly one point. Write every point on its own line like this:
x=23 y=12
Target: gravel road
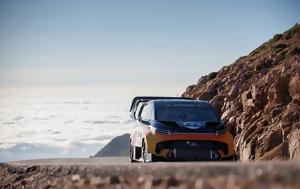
x=117 y=172
x=74 y=161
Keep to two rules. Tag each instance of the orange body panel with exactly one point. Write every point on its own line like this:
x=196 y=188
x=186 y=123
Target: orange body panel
x=153 y=138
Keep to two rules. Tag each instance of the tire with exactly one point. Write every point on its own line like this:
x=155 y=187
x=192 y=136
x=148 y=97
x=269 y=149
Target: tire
x=235 y=158
x=230 y=158
x=144 y=151
x=154 y=158
x=131 y=160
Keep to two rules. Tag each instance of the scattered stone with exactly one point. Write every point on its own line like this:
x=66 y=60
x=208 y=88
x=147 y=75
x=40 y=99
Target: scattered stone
x=11 y=169
x=114 y=180
x=97 y=181
x=32 y=168
x=192 y=175
x=172 y=182
x=156 y=182
x=140 y=179
x=23 y=182
x=199 y=183
x=75 y=178
x=19 y=177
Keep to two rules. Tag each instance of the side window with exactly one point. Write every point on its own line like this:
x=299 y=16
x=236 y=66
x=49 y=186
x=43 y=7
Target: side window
x=145 y=115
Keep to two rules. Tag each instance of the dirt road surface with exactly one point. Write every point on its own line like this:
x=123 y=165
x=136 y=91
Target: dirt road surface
x=117 y=172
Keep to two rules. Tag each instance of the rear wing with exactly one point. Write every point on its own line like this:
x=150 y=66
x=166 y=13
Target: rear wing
x=139 y=99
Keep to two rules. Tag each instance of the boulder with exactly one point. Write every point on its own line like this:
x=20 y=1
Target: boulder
x=294 y=145
x=278 y=92
x=190 y=88
x=202 y=80
x=233 y=92
x=259 y=95
x=212 y=75
x=207 y=95
x=280 y=152
x=248 y=151
x=211 y=90
x=218 y=102
x=270 y=141
x=247 y=101
x=232 y=125
x=294 y=87
x=291 y=113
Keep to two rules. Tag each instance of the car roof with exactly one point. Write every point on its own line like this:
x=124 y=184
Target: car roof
x=141 y=99
x=180 y=100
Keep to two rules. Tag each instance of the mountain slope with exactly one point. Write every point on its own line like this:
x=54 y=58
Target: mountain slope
x=118 y=146
x=258 y=97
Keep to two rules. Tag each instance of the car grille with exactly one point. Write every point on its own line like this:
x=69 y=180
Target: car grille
x=192 y=146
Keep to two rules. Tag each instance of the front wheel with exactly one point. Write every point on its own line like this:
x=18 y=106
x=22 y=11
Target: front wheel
x=131 y=154
x=148 y=157
x=144 y=152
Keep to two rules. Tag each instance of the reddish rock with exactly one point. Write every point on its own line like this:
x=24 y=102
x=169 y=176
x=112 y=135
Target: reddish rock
x=247 y=151
x=190 y=88
x=294 y=145
x=280 y=152
x=292 y=113
x=218 y=102
x=207 y=95
x=247 y=101
x=258 y=97
x=294 y=87
x=233 y=92
x=278 y=92
x=202 y=80
x=263 y=65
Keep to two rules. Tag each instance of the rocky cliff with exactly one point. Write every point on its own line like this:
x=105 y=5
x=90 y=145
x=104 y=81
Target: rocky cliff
x=258 y=97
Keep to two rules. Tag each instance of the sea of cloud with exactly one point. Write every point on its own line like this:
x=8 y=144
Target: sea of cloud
x=44 y=123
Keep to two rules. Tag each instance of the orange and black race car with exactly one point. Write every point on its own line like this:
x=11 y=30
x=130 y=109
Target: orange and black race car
x=172 y=128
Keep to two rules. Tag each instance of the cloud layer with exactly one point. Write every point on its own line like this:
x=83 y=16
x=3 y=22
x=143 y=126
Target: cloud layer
x=39 y=125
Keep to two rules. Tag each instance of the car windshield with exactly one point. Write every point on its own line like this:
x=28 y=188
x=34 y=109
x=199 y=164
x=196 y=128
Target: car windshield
x=186 y=112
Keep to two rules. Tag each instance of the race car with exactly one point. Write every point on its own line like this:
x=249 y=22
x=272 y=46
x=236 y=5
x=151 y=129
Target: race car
x=180 y=129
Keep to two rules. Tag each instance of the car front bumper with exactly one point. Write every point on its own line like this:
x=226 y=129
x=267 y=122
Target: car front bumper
x=191 y=146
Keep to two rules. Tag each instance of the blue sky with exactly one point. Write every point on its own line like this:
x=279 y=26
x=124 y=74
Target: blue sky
x=114 y=42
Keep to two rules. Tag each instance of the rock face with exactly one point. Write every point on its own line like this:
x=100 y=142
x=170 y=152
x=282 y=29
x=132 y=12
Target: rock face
x=258 y=97
x=118 y=146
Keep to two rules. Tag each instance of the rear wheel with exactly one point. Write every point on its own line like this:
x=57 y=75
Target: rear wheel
x=131 y=159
